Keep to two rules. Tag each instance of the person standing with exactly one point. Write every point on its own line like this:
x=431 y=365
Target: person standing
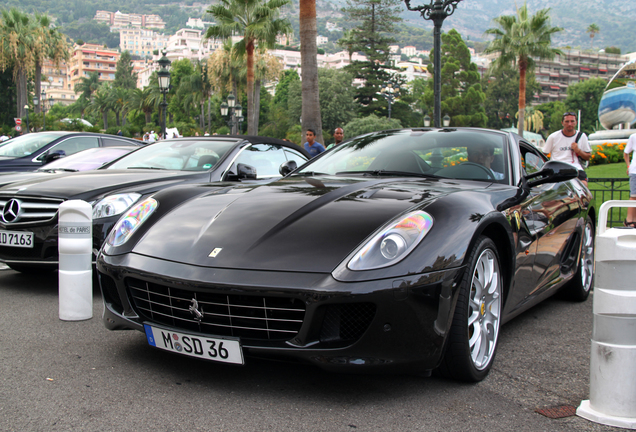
x=314 y=148
x=338 y=136
x=630 y=221
x=568 y=145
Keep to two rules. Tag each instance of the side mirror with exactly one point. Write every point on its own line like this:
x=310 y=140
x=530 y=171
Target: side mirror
x=246 y=172
x=54 y=155
x=552 y=172
x=287 y=167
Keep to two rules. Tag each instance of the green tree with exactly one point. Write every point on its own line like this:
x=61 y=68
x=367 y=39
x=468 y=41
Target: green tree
x=502 y=96
x=193 y=93
x=259 y=23
x=101 y=103
x=50 y=44
x=141 y=100
x=87 y=85
x=518 y=40
x=586 y=96
x=462 y=96
x=282 y=88
x=592 y=30
x=374 y=22
x=125 y=76
x=370 y=123
x=337 y=98
x=16 y=52
x=552 y=115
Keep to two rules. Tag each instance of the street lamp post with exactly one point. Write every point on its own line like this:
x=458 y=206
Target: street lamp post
x=43 y=99
x=36 y=102
x=163 y=76
x=437 y=11
x=427 y=121
x=390 y=93
x=26 y=107
x=235 y=112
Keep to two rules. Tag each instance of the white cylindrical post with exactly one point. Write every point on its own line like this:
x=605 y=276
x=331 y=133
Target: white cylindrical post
x=75 y=228
x=613 y=357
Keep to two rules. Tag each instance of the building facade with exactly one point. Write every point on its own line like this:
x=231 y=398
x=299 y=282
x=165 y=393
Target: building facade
x=121 y=20
x=89 y=58
x=141 y=42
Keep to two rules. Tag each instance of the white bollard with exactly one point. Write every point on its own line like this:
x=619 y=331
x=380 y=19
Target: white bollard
x=613 y=358
x=75 y=228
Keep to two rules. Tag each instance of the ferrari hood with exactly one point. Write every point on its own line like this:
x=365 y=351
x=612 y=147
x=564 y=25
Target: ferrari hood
x=89 y=185
x=300 y=224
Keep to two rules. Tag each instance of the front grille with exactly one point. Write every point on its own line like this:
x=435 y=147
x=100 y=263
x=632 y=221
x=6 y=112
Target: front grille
x=239 y=315
x=31 y=209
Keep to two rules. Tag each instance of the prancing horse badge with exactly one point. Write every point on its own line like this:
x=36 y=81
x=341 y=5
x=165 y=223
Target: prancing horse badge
x=215 y=252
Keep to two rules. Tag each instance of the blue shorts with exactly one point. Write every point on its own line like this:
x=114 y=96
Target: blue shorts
x=632 y=185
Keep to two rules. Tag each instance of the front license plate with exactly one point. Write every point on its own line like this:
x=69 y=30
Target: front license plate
x=222 y=350
x=23 y=239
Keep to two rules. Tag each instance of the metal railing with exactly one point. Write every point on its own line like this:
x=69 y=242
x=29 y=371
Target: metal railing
x=605 y=189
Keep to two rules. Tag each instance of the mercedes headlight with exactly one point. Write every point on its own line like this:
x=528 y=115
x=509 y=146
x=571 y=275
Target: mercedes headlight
x=131 y=221
x=114 y=205
x=394 y=242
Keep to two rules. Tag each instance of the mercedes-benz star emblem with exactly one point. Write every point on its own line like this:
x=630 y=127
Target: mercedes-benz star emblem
x=194 y=309
x=11 y=211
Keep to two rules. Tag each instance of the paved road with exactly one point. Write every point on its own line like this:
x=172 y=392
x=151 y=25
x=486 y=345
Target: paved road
x=72 y=376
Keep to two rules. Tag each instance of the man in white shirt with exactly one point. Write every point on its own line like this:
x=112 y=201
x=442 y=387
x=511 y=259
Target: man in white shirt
x=561 y=145
x=630 y=221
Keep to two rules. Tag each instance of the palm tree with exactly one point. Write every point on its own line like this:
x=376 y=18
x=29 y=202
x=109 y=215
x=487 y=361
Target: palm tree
x=101 y=102
x=16 y=50
x=48 y=44
x=119 y=97
x=191 y=92
x=518 y=40
x=141 y=100
x=259 y=23
x=309 y=63
x=88 y=85
x=593 y=29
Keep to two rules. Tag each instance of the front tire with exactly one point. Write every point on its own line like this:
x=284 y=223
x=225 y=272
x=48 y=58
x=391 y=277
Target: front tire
x=578 y=289
x=472 y=338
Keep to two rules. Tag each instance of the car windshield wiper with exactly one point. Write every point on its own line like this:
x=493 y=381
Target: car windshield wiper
x=310 y=174
x=58 y=169
x=146 y=167
x=381 y=173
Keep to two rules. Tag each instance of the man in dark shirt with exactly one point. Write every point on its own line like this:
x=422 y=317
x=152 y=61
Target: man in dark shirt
x=314 y=148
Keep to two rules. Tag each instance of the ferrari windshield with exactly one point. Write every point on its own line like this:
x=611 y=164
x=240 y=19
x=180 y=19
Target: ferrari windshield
x=449 y=153
x=182 y=155
x=26 y=145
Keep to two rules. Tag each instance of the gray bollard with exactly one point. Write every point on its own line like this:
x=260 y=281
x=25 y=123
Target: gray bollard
x=613 y=358
x=75 y=228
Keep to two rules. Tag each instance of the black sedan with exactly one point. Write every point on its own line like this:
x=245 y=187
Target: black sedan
x=31 y=151
x=399 y=251
x=28 y=209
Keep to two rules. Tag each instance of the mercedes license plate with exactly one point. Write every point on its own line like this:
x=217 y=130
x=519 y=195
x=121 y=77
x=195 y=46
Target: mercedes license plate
x=209 y=348
x=23 y=239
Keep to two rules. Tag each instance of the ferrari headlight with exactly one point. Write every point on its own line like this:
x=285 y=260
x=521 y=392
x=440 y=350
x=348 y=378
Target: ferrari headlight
x=395 y=241
x=131 y=221
x=114 y=204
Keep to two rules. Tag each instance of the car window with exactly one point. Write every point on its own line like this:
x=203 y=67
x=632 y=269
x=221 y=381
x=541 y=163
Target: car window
x=266 y=158
x=457 y=154
x=89 y=159
x=181 y=154
x=532 y=160
x=26 y=145
x=73 y=145
x=111 y=142
x=295 y=156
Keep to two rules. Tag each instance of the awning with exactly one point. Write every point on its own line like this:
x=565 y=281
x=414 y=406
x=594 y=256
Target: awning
x=602 y=70
x=555 y=87
x=586 y=69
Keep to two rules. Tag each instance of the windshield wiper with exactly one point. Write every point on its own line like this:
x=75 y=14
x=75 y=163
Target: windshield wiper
x=310 y=174
x=381 y=173
x=146 y=167
x=58 y=169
